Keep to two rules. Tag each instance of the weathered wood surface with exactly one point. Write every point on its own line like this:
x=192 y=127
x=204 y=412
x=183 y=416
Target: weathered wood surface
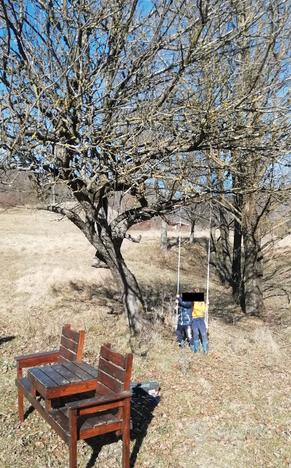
x=64 y=379
x=71 y=348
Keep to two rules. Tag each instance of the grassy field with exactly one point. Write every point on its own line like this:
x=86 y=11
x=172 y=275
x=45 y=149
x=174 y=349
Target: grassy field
x=230 y=408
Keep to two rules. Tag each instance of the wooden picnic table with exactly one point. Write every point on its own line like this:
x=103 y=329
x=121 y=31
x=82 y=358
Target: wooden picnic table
x=62 y=379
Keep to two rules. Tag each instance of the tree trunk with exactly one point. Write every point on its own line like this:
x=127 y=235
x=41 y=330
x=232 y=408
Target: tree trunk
x=236 y=279
x=192 y=231
x=133 y=302
x=253 y=273
x=253 y=266
x=236 y=267
x=164 y=235
x=128 y=285
x=107 y=243
x=223 y=249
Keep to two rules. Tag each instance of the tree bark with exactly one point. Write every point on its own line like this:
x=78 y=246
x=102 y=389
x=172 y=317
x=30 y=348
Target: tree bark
x=253 y=274
x=192 y=231
x=164 y=235
x=236 y=277
x=128 y=285
x=223 y=249
x=253 y=266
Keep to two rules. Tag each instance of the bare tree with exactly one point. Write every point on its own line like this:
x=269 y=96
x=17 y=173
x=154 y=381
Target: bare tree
x=164 y=235
x=249 y=130
x=110 y=96
x=85 y=86
x=197 y=214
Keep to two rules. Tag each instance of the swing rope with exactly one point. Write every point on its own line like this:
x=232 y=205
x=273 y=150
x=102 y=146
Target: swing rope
x=178 y=275
x=179 y=257
x=208 y=271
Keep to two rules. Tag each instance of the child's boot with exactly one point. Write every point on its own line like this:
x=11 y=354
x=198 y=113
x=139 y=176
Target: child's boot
x=195 y=347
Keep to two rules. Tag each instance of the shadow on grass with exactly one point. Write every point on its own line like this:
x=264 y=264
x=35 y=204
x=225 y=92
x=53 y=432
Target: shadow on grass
x=142 y=407
x=159 y=296
x=6 y=339
x=222 y=307
x=174 y=242
x=159 y=299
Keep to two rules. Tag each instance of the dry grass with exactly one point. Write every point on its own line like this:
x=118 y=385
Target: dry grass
x=227 y=409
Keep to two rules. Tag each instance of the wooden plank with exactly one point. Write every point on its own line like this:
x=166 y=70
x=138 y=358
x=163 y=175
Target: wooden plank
x=24 y=384
x=98 y=420
x=126 y=435
x=38 y=406
x=71 y=389
x=111 y=369
x=66 y=373
x=110 y=381
x=53 y=374
x=71 y=334
x=30 y=360
x=49 y=388
x=76 y=368
x=128 y=366
x=87 y=368
x=74 y=437
x=102 y=407
x=112 y=356
x=92 y=432
x=65 y=354
x=81 y=345
x=69 y=344
x=109 y=398
x=37 y=375
x=103 y=389
x=61 y=418
x=38 y=388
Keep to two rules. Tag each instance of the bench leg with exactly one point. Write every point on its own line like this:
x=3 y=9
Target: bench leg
x=20 y=394
x=73 y=454
x=126 y=436
x=73 y=438
x=20 y=405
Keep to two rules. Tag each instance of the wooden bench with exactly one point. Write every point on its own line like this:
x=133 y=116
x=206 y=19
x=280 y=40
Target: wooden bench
x=71 y=349
x=107 y=411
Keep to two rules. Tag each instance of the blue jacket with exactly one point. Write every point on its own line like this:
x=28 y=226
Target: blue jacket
x=184 y=312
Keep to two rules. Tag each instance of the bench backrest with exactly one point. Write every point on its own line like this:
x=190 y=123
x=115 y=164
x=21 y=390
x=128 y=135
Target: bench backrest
x=114 y=369
x=72 y=344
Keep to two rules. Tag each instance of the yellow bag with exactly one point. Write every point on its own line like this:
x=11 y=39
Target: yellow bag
x=198 y=309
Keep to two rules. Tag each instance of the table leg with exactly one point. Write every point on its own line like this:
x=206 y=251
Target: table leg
x=20 y=405
x=48 y=404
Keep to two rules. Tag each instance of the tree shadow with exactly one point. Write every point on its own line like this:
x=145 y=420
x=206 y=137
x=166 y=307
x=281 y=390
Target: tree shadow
x=142 y=407
x=174 y=242
x=222 y=307
x=6 y=339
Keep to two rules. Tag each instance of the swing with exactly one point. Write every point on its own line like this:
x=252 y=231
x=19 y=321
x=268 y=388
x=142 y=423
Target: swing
x=188 y=296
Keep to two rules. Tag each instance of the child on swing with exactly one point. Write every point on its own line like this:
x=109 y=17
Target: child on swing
x=198 y=323
x=183 y=330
